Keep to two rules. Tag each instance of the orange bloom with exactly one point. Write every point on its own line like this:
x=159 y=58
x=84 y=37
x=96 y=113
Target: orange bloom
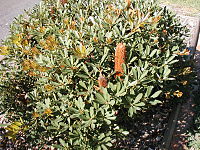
x=178 y=93
x=31 y=73
x=35 y=115
x=120 y=56
x=128 y=3
x=185 y=52
x=95 y=39
x=164 y=32
x=156 y=19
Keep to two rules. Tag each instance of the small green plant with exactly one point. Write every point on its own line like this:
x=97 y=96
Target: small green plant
x=71 y=66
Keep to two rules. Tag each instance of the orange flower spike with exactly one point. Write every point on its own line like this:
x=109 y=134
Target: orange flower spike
x=35 y=115
x=120 y=56
x=128 y=2
x=102 y=81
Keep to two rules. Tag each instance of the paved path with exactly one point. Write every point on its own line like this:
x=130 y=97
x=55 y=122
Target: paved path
x=10 y=9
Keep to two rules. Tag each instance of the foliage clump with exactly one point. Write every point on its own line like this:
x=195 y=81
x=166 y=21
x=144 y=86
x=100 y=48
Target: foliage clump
x=71 y=66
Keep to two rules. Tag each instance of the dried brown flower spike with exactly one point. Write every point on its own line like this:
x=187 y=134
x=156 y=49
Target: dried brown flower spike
x=120 y=56
x=102 y=81
x=63 y=2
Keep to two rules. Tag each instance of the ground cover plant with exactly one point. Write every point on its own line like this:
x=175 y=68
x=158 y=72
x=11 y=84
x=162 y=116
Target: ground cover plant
x=71 y=68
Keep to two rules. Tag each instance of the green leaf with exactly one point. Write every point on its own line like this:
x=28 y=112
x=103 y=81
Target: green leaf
x=130 y=111
x=83 y=85
x=100 y=99
x=156 y=94
x=144 y=74
x=155 y=102
x=138 y=98
x=106 y=50
x=62 y=142
x=167 y=71
x=148 y=92
x=153 y=53
x=82 y=76
x=140 y=104
x=57 y=146
x=109 y=144
x=3 y=125
x=125 y=132
x=104 y=147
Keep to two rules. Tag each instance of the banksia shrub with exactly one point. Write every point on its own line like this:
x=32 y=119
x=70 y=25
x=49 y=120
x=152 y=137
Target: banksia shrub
x=70 y=65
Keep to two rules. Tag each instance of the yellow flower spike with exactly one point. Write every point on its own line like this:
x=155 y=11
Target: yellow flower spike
x=51 y=43
x=42 y=29
x=27 y=52
x=109 y=40
x=26 y=65
x=42 y=69
x=81 y=51
x=4 y=50
x=49 y=87
x=35 y=51
x=33 y=64
x=17 y=40
x=66 y=21
x=73 y=25
x=48 y=111
x=42 y=43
